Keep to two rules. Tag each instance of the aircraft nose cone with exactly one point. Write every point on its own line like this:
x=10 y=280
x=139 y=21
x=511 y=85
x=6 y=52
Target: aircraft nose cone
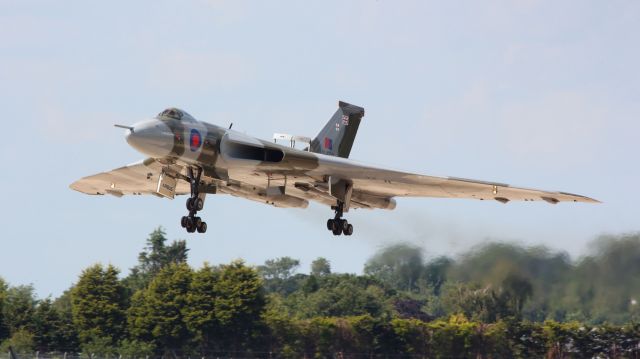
x=127 y=135
x=152 y=138
x=135 y=136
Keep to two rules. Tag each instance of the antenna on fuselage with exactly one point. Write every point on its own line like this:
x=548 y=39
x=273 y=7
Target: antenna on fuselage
x=231 y=125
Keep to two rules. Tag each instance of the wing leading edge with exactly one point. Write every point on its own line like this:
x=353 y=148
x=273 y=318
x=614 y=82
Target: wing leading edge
x=135 y=179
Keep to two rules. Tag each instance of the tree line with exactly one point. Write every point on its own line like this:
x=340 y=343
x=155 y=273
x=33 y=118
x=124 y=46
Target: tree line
x=497 y=300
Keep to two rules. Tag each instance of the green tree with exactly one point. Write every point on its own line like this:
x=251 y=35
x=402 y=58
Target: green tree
x=67 y=330
x=283 y=333
x=472 y=301
x=21 y=342
x=516 y=290
x=135 y=349
x=19 y=306
x=455 y=338
x=501 y=265
x=4 y=331
x=340 y=295
x=412 y=335
x=320 y=266
x=200 y=312
x=310 y=285
x=278 y=274
x=604 y=285
x=98 y=306
x=47 y=323
x=239 y=305
x=156 y=313
x=156 y=255
x=436 y=273
x=400 y=266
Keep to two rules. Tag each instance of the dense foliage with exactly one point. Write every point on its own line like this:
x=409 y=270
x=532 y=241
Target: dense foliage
x=497 y=300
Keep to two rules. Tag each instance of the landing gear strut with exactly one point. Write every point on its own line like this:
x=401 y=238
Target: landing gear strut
x=337 y=225
x=195 y=203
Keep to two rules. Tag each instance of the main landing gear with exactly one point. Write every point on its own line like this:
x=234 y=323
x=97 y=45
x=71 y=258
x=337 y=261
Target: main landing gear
x=338 y=225
x=195 y=203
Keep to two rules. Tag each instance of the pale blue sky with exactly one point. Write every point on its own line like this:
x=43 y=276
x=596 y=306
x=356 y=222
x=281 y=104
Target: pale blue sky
x=543 y=94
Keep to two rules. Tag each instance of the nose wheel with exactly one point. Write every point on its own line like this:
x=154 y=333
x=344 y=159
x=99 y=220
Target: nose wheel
x=337 y=225
x=195 y=203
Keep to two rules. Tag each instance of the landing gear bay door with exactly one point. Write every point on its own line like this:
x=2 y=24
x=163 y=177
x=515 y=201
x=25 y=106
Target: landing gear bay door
x=167 y=185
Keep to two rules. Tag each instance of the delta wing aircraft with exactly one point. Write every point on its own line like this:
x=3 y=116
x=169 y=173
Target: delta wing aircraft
x=189 y=157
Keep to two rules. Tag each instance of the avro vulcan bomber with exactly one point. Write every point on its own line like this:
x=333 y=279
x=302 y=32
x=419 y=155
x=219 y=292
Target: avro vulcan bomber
x=190 y=157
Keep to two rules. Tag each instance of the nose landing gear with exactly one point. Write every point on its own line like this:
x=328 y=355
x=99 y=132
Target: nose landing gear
x=195 y=203
x=337 y=225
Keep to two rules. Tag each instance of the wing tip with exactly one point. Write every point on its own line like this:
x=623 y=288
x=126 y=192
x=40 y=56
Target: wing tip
x=581 y=198
x=77 y=186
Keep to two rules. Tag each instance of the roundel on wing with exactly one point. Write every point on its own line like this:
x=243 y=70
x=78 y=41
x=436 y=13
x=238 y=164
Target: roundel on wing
x=195 y=140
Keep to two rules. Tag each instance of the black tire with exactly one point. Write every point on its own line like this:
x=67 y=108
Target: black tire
x=191 y=226
x=202 y=228
x=344 y=224
x=183 y=221
x=189 y=204
x=335 y=226
x=198 y=204
x=197 y=221
x=330 y=224
x=349 y=230
x=337 y=231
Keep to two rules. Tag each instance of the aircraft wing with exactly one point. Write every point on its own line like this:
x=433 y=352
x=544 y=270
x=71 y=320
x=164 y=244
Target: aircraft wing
x=134 y=179
x=142 y=178
x=389 y=183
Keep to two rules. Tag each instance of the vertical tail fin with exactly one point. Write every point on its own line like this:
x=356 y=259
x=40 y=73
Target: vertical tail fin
x=337 y=136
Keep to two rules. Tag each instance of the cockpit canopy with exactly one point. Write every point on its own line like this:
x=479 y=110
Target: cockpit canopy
x=173 y=113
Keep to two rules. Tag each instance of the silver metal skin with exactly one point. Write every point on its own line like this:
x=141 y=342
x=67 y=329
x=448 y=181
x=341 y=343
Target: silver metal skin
x=152 y=138
x=186 y=156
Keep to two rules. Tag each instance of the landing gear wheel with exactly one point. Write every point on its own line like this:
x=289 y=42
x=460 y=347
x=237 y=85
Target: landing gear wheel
x=349 y=230
x=344 y=225
x=197 y=204
x=335 y=226
x=338 y=225
x=194 y=203
x=330 y=224
x=190 y=224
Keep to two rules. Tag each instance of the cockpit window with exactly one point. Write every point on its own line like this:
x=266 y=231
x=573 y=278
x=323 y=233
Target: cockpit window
x=175 y=114
x=172 y=113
